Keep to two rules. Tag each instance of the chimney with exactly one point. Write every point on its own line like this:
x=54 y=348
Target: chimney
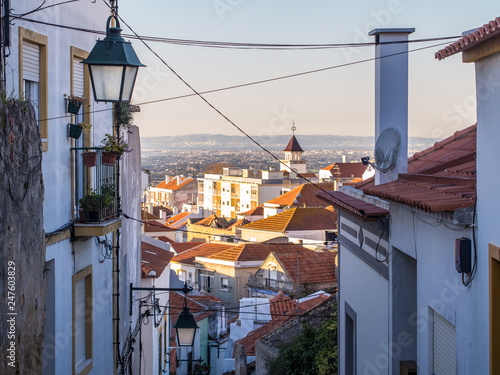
x=343 y=158
x=166 y=179
x=179 y=179
x=391 y=93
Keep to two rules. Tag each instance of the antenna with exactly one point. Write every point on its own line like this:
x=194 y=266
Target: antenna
x=387 y=150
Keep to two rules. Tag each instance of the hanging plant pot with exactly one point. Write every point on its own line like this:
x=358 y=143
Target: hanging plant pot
x=89 y=159
x=109 y=158
x=74 y=107
x=74 y=131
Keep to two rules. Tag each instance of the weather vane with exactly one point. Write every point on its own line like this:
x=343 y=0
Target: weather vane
x=293 y=128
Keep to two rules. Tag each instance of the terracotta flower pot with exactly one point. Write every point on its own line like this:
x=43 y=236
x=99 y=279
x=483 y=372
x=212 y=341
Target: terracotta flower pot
x=89 y=159
x=108 y=158
x=74 y=107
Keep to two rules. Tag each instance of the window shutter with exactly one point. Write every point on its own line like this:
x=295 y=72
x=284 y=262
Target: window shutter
x=444 y=346
x=78 y=77
x=80 y=354
x=31 y=62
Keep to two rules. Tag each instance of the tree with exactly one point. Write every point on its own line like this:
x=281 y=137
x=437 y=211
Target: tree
x=216 y=168
x=311 y=353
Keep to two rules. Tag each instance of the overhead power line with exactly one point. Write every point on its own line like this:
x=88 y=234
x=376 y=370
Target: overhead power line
x=231 y=45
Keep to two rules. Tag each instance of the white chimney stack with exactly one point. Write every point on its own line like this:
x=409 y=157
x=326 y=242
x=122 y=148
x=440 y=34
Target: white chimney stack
x=391 y=93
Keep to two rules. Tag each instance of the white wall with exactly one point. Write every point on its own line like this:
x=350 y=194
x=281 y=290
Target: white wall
x=439 y=285
x=367 y=293
x=488 y=134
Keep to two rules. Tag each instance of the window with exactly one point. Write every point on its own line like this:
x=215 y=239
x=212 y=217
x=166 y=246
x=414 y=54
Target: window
x=82 y=321
x=443 y=345
x=182 y=275
x=224 y=283
x=205 y=281
x=33 y=72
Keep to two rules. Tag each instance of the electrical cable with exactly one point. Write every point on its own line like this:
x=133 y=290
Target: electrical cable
x=222 y=114
x=378 y=243
x=158 y=225
x=237 y=45
x=474 y=267
x=21 y=16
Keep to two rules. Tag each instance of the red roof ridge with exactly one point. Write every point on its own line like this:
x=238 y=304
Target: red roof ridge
x=471 y=39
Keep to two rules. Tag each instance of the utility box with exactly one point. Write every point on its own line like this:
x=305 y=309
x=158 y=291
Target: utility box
x=463 y=255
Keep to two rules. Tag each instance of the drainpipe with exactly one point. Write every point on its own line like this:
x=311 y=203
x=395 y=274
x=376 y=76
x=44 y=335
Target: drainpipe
x=391 y=93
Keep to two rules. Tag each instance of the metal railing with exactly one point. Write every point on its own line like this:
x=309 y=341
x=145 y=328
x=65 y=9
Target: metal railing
x=264 y=282
x=95 y=187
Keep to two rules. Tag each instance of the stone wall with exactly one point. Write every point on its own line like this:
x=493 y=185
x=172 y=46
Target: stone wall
x=267 y=348
x=22 y=246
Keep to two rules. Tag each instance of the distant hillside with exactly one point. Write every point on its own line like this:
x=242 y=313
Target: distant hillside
x=273 y=142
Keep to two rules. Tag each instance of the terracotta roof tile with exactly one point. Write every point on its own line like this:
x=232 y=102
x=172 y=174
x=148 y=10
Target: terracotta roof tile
x=440 y=178
x=172 y=184
x=303 y=196
x=203 y=250
x=238 y=223
x=179 y=247
x=295 y=219
x=358 y=207
x=471 y=39
x=346 y=170
x=256 y=252
x=257 y=211
x=199 y=311
x=154 y=259
x=214 y=221
x=281 y=305
x=293 y=145
x=314 y=267
x=154 y=226
x=178 y=220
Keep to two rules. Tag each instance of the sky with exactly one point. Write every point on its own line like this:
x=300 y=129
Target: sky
x=337 y=101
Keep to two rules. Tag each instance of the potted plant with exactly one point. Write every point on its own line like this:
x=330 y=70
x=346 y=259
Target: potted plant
x=74 y=103
x=90 y=205
x=113 y=147
x=89 y=158
x=74 y=130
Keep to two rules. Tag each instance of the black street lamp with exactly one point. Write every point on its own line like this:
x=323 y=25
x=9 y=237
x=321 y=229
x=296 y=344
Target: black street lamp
x=113 y=66
x=186 y=327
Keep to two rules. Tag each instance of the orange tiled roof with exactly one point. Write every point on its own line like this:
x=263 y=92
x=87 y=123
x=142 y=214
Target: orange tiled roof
x=257 y=211
x=238 y=223
x=154 y=226
x=471 y=39
x=281 y=305
x=172 y=184
x=358 y=207
x=203 y=250
x=440 y=178
x=177 y=220
x=199 y=311
x=346 y=170
x=303 y=196
x=179 y=247
x=299 y=218
x=293 y=145
x=214 y=221
x=257 y=252
x=154 y=259
x=314 y=267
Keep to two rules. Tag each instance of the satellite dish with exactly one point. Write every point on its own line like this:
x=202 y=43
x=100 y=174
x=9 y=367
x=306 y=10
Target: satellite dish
x=387 y=149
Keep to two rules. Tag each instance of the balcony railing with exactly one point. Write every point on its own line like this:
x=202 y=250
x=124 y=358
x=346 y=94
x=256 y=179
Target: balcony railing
x=95 y=188
x=263 y=282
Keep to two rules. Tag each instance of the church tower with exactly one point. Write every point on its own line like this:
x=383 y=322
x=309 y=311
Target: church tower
x=293 y=157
